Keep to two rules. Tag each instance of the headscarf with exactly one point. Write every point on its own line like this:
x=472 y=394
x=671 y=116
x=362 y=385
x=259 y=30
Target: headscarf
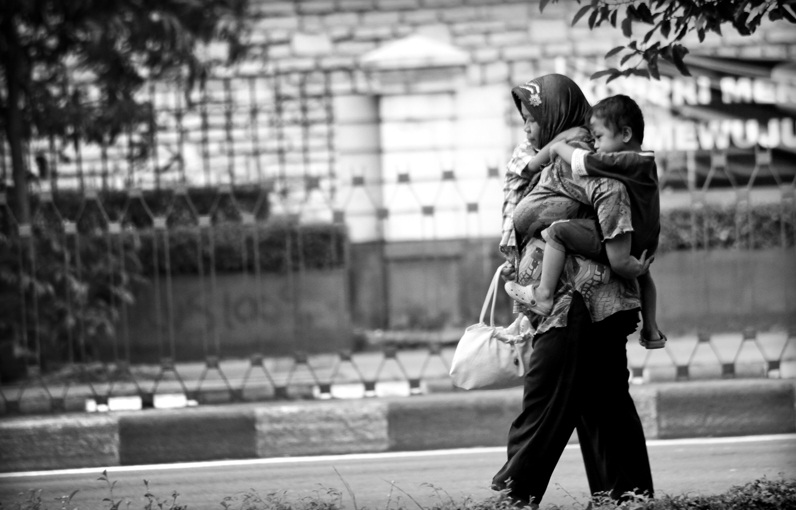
x=556 y=103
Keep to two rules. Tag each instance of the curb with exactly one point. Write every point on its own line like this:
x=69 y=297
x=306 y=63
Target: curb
x=439 y=420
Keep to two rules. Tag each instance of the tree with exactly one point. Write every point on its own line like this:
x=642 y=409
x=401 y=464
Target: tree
x=670 y=22
x=70 y=69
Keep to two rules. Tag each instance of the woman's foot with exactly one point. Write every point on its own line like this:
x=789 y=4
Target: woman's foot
x=527 y=296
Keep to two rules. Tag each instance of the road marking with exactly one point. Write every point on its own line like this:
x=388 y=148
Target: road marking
x=370 y=456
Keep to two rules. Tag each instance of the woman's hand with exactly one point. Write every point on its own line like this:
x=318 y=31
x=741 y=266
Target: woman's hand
x=633 y=267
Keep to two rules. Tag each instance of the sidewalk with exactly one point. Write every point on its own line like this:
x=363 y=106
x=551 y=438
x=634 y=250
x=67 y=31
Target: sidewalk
x=454 y=419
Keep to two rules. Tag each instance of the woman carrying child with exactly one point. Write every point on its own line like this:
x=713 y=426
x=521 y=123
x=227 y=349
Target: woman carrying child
x=577 y=376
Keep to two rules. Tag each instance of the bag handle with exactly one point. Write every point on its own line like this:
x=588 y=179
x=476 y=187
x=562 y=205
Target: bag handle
x=491 y=295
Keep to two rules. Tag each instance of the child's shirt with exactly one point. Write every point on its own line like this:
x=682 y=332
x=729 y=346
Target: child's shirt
x=638 y=172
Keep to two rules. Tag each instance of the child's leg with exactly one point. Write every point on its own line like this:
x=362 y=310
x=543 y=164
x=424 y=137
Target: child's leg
x=579 y=236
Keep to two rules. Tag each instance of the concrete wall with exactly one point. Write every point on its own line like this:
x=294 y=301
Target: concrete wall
x=278 y=315
x=443 y=284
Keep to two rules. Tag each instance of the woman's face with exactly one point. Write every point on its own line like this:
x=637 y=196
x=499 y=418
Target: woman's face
x=532 y=128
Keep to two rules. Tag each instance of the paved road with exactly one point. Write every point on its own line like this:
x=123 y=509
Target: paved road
x=706 y=466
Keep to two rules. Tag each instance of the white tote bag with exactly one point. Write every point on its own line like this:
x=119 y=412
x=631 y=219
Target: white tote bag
x=490 y=357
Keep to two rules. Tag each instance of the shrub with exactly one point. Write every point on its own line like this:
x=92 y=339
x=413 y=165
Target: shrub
x=62 y=293
x=762 y=226
x=276 y=246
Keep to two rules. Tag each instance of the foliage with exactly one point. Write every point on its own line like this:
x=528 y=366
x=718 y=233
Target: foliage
x=64 y=291
x=71 y=70
x=669 y=22
x=725 y=227
x=761 y=494
x=276 y=246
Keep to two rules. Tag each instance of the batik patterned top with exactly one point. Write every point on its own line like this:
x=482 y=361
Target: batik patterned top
x=559 y=195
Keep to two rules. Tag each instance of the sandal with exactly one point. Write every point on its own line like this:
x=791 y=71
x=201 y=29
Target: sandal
x=652 y=344
x=525 y=295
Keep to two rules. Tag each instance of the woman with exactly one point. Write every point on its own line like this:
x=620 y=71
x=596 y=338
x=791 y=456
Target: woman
x=577 y=377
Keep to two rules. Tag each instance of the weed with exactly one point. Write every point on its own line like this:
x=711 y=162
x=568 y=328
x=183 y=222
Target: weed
x=761 y=494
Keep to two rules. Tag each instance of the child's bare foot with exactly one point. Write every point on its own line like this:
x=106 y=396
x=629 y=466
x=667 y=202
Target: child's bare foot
x=526 y=295
x=652 y=340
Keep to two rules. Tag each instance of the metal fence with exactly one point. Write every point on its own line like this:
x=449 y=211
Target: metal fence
x=70 y=274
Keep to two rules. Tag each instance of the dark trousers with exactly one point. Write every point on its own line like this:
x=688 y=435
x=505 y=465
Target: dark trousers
x=578 y=379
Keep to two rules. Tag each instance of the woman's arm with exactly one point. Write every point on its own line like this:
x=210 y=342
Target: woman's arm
x=649 y=303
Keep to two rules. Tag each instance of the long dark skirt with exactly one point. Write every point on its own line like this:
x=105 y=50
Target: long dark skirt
x=578 y=379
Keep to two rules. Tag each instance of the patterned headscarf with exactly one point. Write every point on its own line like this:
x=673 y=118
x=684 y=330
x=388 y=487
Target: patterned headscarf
x=555 y=101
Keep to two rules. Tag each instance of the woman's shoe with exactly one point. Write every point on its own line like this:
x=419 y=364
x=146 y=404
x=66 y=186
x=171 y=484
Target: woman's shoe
x=525 y=295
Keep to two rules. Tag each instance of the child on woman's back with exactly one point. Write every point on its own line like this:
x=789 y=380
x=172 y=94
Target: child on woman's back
x=617 y=125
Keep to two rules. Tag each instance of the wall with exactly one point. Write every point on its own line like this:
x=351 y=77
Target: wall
x=722 y=291
x=280 y=315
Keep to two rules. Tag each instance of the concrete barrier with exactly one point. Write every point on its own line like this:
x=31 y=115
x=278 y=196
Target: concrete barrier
x=726 y=408
x=189 y=434
x=454 y=419
x=58 y=442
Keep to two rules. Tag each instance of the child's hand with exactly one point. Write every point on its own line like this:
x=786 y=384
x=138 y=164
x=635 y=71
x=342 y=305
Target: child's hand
x=555 y=148
x=508 y=272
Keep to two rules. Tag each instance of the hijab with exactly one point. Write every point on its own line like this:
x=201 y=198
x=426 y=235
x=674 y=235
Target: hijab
x=556 y=103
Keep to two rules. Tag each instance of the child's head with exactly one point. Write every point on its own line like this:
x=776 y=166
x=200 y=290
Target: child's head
x=617 y=124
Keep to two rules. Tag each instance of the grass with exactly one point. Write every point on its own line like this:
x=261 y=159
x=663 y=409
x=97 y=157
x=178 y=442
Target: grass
x=761 y=494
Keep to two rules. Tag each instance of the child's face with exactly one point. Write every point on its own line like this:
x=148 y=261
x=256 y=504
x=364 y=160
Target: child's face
x=605 y=138
x=532 y=128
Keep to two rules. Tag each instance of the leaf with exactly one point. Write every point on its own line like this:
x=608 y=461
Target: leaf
x=788 y=15
x=627 y=27
x=678 y=52
x=581 y=12
x=666 y=27
x=614 y=51
x=741 y=23
x=644 y=14
x=613 y=18
x=626 y=58
x=593 y=19
x=543 y=4
x=652 y=66
x=604 y=72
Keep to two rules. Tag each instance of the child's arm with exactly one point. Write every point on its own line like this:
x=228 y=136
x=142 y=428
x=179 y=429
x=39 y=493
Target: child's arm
x=563 y=150
x=546 y=154
x=622 y=262
x=615 y=165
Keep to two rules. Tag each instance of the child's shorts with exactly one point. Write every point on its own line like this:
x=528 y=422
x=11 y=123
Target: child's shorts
x=578 y=236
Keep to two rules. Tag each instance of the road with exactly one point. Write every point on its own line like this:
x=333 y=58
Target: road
x=379 y=481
